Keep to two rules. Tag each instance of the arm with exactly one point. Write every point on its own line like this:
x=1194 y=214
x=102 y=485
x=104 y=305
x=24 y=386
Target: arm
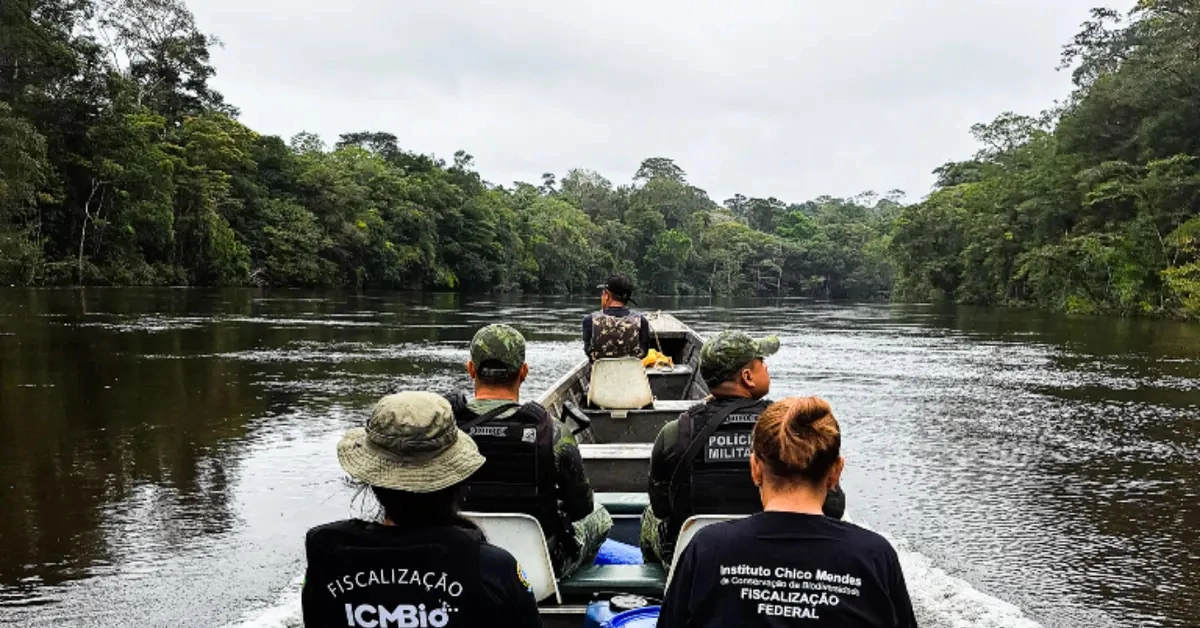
x=308 y=593
x=503 y=581
x=662 y=467
x=675 y=612
x=587 y=335
x=522 y=608
x=901 y=603
x=574 y=491
x=644 y=335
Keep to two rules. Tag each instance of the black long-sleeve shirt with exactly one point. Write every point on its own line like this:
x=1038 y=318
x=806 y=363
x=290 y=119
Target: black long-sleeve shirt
x=503 y=594
x=787 y=570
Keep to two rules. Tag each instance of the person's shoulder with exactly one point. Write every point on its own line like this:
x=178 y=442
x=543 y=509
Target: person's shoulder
x=336 y=529
x=725 y=529
x=668 y=432
x=534 y=407
x=503 y=566
x=862 y=537
x=495 y=556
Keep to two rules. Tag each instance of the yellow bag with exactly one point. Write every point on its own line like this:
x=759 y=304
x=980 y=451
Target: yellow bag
x=655 y=359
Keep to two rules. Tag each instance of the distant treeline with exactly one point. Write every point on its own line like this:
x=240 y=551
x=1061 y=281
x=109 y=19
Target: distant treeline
x=119 y=165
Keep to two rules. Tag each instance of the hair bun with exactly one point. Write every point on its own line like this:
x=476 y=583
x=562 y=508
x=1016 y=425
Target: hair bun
x=797 y=437
x=808 y=411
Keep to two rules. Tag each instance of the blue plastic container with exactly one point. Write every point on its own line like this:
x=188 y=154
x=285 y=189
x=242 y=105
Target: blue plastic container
x=598 y=614
x=603 y=613
x=637 y=618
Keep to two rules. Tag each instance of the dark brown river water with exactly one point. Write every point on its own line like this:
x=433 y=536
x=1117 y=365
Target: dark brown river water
x=163 y=451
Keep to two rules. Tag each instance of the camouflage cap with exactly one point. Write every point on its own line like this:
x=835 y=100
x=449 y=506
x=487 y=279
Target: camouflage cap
x=411 y=442
x=501 y=345
x=722 y=357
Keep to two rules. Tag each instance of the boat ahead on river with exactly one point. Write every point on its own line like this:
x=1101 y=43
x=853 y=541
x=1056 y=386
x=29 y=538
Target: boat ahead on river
x=616 y=442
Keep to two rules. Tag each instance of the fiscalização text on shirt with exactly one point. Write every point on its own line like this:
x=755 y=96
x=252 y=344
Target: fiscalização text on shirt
x=789 y=592
x=367 y=615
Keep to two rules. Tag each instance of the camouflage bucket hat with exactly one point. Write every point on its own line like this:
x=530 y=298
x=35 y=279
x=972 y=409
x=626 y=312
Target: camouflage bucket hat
x=498 y=350
x=410 y=443
x=722 y=357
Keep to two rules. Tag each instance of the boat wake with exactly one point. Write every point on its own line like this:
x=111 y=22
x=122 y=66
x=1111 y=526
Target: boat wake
x=939 y=599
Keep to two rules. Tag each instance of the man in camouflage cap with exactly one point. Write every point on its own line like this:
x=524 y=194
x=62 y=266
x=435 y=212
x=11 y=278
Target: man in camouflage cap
x=732 y=351
x=533 y=463
x=498 y=359
x=700 y=463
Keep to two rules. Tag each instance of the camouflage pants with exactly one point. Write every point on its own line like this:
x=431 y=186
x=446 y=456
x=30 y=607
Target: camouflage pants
x=590 y=533
x=652 y=541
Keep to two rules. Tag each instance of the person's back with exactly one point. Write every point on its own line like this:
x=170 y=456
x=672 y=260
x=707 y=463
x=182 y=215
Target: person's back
x=616 y=331
x=700 y=462
x=789 y=569
x=371 y=572
x=533 y=463
x=420 y=563
x=790 y=565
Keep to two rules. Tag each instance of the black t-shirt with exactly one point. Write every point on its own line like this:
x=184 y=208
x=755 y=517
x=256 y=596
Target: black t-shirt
x=782 y=569
x=500 y=594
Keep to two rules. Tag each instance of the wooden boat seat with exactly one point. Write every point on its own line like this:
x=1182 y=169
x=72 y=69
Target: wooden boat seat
x=584 y=585
x=623 y=503
x=672 y=384
x=674 y=405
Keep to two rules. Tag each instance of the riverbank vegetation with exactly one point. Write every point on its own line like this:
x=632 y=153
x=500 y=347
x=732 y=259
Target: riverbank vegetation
x=120 y=165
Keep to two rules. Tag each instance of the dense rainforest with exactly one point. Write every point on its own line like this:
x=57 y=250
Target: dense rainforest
x=121 y=165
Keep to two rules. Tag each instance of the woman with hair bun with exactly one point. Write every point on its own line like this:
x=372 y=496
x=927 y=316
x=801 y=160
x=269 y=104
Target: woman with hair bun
x=790 y=565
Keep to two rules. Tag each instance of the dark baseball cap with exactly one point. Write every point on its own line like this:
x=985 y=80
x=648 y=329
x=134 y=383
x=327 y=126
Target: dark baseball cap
x=620 y=287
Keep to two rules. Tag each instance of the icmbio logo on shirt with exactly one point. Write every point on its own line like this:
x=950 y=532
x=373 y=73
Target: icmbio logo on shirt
x=402 y=616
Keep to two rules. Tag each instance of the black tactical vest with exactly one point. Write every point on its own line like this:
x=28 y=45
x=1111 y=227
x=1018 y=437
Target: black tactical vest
x=359 y=576
x=718 y=475
x=519 y=475
x=616 y=336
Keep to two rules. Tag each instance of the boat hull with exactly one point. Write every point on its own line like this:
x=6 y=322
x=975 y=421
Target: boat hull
x=675 y=389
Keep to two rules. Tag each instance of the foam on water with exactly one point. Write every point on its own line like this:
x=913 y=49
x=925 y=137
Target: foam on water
x=939 y=600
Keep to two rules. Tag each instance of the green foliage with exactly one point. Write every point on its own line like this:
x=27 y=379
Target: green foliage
x=119 y=164
x=1094 y=211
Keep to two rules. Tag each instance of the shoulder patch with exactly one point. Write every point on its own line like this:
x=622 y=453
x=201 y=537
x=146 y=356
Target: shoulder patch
x=523 y=578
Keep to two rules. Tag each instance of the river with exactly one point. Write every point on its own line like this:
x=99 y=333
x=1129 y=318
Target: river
x=162 y=451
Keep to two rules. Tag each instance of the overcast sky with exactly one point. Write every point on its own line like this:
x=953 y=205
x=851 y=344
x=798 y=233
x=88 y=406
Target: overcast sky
x=785 y=98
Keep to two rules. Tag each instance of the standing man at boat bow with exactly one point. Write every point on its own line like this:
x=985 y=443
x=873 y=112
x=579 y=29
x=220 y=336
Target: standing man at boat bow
x=616 y=331
x=533 y=463
x=700 y=463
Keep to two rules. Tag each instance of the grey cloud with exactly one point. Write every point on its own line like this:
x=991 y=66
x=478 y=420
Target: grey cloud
x=770 y=97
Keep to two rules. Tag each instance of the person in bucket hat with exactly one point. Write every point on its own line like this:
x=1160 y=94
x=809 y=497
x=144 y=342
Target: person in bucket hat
x=437 y=567
x=410 y=443
x=534 y=466
x=700 y=463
